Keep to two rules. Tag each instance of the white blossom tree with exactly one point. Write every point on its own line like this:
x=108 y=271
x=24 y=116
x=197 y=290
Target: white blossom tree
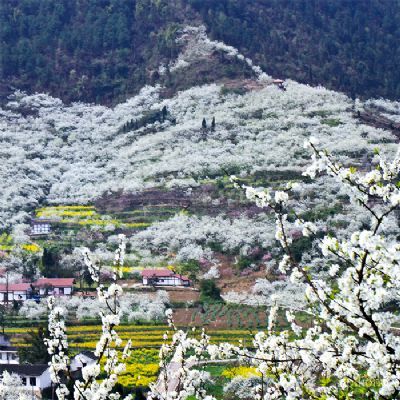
x=110 y=360
x=351 y=346
x=12 y=388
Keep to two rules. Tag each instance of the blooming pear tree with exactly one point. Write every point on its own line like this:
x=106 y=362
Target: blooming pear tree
x=351 y=346
x=12 y=388
x=110 y=360
x=178 y=354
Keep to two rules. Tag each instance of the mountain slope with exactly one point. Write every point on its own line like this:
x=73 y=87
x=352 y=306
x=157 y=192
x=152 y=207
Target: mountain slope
x=157 y=166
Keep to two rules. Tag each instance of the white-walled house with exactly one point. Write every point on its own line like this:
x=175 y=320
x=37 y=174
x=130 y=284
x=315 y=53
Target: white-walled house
x=8 y=353
x=54 y=286
x=14 y=291
x=163 y=277
x=40 y=227
x=35 y=377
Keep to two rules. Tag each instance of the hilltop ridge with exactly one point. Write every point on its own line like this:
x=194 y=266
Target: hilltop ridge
x=104 y=51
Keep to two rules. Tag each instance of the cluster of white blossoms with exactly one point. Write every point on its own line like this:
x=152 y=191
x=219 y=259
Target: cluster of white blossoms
x=199 y=45
x=68 y=161
x=110 y=360
x=350 y=344
x=137 y=307
x=178 y=354
x=11 y=388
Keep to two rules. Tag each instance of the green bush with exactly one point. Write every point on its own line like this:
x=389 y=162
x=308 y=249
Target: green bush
x=209 y=291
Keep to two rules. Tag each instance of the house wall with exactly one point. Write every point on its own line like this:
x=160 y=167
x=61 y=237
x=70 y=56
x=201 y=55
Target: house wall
x=18 y=295
x=40 y=229
x=45 y=379
x=66 y=291
x=164 y=281
x=8 y=357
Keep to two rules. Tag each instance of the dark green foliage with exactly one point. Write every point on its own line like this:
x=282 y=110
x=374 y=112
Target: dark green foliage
x=300 y=246
x=3 y=315
x=105 y=50
x=333 y=122
x=318 y=214
x=149 y=117
x=36 y=351
x=204 y=123
x=164 y=113
x=227 y=90
x=190 y=268
x=93 y=50
x=244 y=262
x=342 y=44
x=209 y=291
x=87 y=277
x=49 y=263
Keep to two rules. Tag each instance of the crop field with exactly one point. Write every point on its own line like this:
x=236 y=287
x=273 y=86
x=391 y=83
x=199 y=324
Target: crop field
x=86 y=216
x=142 y=367
x=222 y=316
x=7 y=244
x=83 y=337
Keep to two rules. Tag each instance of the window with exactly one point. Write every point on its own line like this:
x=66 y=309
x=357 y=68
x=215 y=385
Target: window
x=23 y=380
x=32 y=381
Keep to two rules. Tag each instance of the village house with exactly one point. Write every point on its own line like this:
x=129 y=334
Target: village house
x=14 y=291
x=163 y=277
x=35 y=377
x=40 y=227
x=54 y=286
x=8 y=353
x=44 y=287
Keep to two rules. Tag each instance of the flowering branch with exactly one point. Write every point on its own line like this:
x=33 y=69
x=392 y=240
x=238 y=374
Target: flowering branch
x=110 y=360
x=351 y=342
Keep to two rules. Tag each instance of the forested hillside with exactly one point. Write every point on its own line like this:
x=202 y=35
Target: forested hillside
x=105 y=50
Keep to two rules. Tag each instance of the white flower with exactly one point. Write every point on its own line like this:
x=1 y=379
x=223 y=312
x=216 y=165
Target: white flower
x=281 y=197
x=333 y=270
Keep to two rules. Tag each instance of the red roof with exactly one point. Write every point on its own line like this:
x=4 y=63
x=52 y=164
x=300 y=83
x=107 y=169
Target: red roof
x=162 y=273
x=15 y=287
x=54 y=282
x=149 y=273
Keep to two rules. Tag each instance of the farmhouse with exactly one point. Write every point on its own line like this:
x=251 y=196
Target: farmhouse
x=164 y=277
x=54 y=286
x=35 y=377
x=8 y=353
x=14 y=291
x=40 y=227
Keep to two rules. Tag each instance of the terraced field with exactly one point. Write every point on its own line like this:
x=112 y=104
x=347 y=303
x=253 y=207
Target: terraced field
x=223 y=316
x=142 y=366
x=76 y=216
